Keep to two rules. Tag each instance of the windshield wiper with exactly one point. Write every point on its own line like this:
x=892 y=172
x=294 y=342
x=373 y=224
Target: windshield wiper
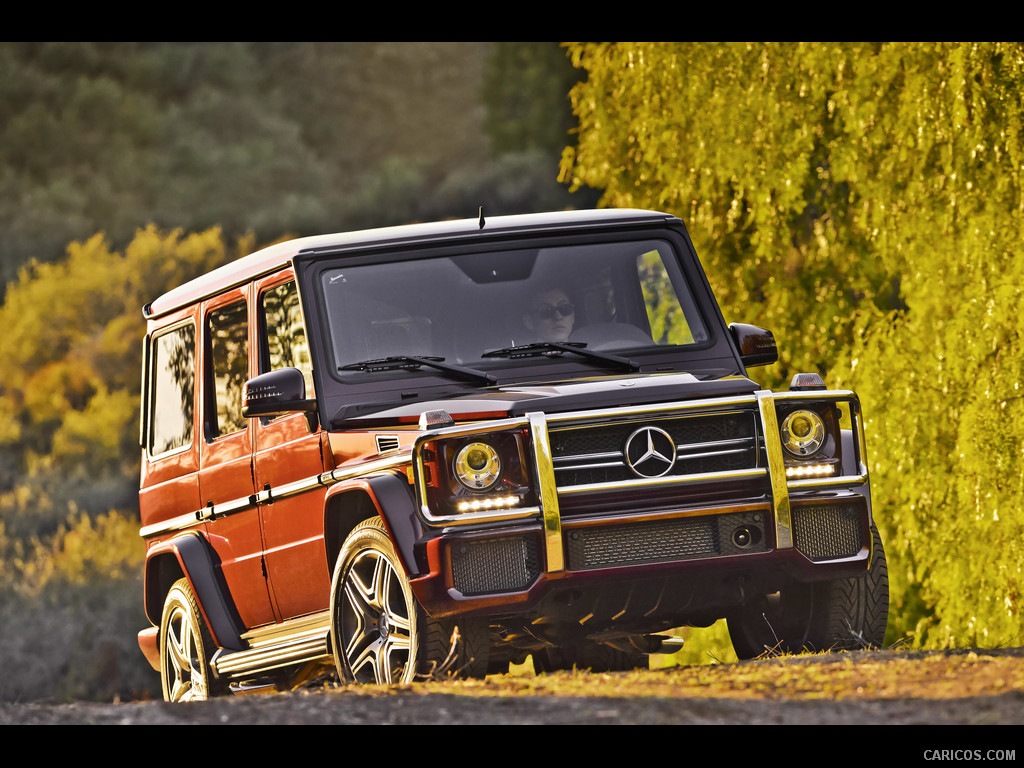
x=412 y=362
x=551 y=348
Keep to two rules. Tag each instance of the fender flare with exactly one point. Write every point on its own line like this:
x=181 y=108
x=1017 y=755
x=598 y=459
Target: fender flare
x=198 y=563
x=392 y=499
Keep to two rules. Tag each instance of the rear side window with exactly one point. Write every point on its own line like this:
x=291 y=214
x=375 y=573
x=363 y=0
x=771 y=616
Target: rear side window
x=669 y=311
x=173 y=390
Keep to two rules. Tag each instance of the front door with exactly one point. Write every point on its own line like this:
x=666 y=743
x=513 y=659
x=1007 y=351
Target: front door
x=226 y=471
x=290 y=455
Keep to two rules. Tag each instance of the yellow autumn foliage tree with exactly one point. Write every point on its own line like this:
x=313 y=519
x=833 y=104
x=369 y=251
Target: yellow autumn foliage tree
x=70 y=552
x=70 y=361
x=864 y=201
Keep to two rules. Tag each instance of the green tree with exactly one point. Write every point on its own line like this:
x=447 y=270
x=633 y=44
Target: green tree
x=526 y=91
x=739 y=139
x=271 y=138
x=864 y=201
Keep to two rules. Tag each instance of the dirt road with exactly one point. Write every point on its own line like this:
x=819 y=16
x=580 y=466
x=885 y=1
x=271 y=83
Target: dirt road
x=979 y=687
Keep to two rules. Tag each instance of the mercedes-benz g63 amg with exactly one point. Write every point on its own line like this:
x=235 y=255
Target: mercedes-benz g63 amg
x=442 y=448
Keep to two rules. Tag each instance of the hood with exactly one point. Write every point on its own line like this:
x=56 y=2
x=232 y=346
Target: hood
x=559 y=397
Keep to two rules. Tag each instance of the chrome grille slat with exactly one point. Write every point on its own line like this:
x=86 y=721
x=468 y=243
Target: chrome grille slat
x=746 y=442
x=685 y=452
x=586 y=465
x=588 y=457
x=705 y=443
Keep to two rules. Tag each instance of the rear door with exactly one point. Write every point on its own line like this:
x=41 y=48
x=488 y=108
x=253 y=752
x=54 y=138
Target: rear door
x=169 y=489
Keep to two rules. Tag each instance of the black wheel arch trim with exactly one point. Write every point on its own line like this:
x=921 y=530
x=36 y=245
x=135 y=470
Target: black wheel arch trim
x=197 y=562
x=391 y=497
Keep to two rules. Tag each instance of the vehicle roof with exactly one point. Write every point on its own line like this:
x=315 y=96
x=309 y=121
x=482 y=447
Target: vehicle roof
x=279 y=255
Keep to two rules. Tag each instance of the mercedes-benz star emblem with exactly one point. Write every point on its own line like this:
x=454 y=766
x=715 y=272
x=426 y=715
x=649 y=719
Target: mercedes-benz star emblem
x=650 y=452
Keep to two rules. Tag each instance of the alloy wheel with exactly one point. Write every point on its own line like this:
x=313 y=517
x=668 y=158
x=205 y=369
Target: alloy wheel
x=183 y=666
x=376 y=621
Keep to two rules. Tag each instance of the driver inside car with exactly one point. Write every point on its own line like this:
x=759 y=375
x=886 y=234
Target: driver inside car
x=551 y=315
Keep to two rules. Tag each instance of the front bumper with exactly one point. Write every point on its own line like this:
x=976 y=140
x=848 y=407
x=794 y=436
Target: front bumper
x=731 y=527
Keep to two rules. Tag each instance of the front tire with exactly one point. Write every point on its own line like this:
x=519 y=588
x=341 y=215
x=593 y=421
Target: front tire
x=379 y=633
x=186 y=646
x=841 y=615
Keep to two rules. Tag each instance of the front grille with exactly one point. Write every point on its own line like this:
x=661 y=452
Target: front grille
x=675 y=446
x=828 y=531
x=665 y=541
x=494 y=565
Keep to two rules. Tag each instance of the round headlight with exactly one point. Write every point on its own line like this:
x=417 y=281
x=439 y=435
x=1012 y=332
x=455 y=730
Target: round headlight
x=478 y=466
x=803 y=433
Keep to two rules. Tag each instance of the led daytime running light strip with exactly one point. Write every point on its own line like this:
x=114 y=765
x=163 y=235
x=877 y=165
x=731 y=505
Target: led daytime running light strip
x=810 y=470
x=496 y=502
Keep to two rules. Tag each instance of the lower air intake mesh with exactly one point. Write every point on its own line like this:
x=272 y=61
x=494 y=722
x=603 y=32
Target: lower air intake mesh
x=828 y=531
x=664 y=541
x=494 y=565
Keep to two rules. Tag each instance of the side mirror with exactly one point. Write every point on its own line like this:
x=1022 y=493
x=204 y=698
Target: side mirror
x=756 y=345
x=278 y=393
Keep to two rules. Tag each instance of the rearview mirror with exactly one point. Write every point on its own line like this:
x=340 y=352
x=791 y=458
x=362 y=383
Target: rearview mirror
x=756 y=345
x=278 y=393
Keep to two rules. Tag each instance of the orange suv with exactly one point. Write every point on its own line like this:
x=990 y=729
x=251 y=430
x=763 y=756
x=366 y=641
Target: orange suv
x=442 y=448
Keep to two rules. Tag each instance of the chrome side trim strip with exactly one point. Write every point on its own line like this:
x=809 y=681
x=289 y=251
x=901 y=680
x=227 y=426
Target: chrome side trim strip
x=181 y=522
x=545 y=474
x=270 y=495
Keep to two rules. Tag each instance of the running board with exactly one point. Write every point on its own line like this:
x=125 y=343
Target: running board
x=280 y=645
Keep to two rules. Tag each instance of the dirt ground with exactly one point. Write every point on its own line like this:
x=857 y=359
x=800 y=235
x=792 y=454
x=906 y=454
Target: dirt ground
x=964 y=687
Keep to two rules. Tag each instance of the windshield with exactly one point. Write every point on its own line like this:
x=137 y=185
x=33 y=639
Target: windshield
x=481 y=311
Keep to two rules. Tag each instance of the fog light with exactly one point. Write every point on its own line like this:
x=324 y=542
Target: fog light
x=810 y=470
x=494 y=502
x=746 y=536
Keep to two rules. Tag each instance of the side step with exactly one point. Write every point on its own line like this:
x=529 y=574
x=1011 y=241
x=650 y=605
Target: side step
x=292 y=642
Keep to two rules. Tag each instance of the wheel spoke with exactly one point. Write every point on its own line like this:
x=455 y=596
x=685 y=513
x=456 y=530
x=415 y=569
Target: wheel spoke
x=177 y=640
x=393 y=604
x=365 y=660
x=381 y=580
x=177 y=655
x=359 y=608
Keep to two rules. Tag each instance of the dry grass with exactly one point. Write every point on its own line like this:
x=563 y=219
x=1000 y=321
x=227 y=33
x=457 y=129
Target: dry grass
x=864 y=675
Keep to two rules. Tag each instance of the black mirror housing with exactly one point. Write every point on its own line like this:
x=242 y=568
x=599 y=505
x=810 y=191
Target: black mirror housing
x=756 y=345
x=276 y=393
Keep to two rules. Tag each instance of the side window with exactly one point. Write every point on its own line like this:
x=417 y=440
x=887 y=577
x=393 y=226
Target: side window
x=228 y=329
x=668 y=321
x=284 y=339
x=172 y=396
